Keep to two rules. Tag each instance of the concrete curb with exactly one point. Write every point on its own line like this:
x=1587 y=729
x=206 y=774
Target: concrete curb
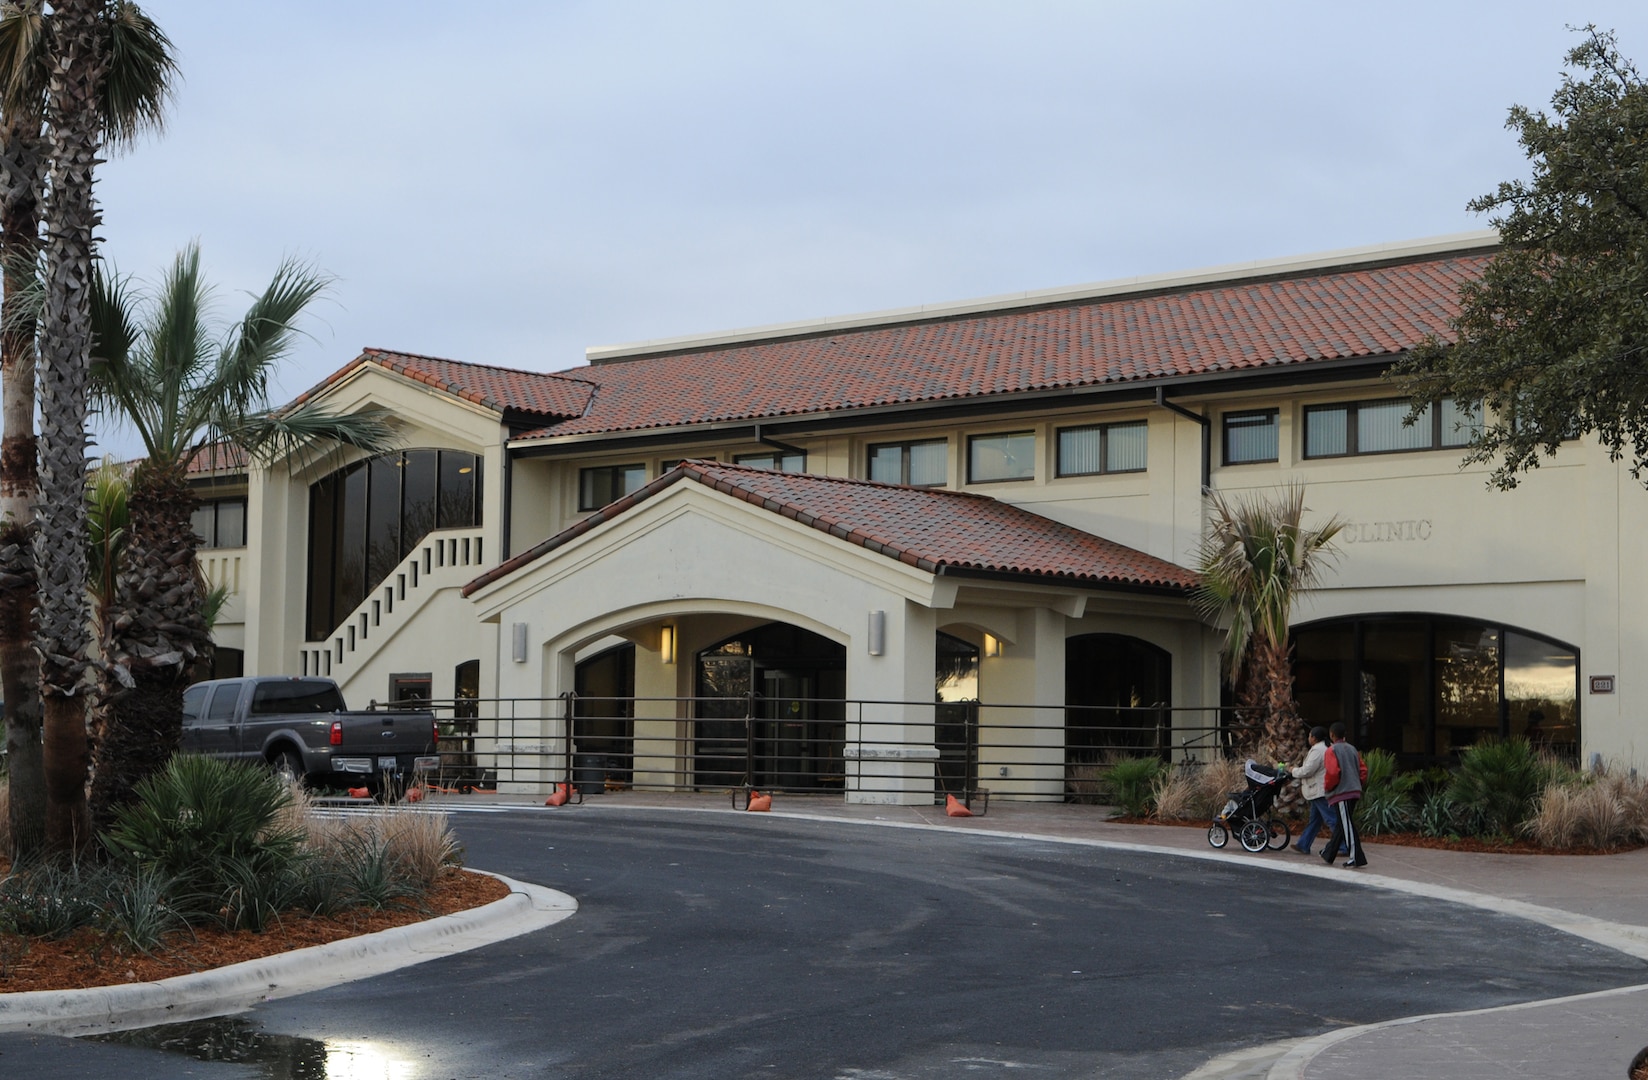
x=1292 y=1065
x=240 y=986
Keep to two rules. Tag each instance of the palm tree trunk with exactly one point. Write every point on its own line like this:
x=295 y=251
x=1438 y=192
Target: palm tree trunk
x=65 y=349
x=155 y=634
x=21 y=165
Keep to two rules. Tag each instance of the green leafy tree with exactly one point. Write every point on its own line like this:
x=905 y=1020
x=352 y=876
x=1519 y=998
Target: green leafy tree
x=1255 y=560
x=163 y=366
x=1552 y=341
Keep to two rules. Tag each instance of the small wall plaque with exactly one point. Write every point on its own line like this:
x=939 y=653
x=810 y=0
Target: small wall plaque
x=1602 y=684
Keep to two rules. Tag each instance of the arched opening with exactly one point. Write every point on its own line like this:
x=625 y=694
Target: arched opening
x=1116 y=693
x=791 y=683
x=1427 y=686
x=603 y=716
x=366 y=517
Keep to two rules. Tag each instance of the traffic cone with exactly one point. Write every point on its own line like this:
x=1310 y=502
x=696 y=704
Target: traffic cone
x=563 y=792
x=759 y=802
x=955 y=808
x=414 y=794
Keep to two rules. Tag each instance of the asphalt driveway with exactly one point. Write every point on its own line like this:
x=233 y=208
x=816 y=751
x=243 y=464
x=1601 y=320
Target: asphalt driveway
x=717 y=945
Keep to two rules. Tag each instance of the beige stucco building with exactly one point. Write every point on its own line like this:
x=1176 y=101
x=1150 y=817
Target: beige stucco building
x=883 y=517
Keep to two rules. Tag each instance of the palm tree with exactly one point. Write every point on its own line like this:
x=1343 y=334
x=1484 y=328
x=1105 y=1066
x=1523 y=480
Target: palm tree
x=161 y=365
x=1256 y=559
x=102 y=69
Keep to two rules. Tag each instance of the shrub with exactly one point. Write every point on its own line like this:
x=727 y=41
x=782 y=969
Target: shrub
x=1498 y=783
x=1085 y=783
x=1132 y=783
x=1194 y=791
x=215 y=830
x=1606 y=810
x=137 y=913
x=53 y=900
x=1387 y=798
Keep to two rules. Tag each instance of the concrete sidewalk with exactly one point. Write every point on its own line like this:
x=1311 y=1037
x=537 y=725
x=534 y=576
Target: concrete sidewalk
x=1603 y=898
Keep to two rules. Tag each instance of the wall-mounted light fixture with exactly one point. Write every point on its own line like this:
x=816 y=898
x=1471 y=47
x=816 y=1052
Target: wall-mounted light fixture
x=992 y=645
x=666 y=644
x=878 y=633
x=517 y=636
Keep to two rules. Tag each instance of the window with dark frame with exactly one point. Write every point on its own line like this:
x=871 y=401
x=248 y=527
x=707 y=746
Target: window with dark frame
x=779 y=461
x=1354 y=428
x=604 y=484
x=921 y=463
x=1010 y=455
x=1098 y=449
x=220 y=523
x=1250 y=437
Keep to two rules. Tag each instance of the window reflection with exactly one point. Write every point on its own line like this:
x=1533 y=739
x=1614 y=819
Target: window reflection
x=365 y=518
x=1427 y=687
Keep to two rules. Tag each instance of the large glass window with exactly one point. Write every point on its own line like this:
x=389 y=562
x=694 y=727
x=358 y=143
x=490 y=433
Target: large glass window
x=1250 y=437
x=1008 y=456
x=607 y=484
x=919 y=464
x=1102 y=448
x=1426 y=687
x=365 y=518
x=781 y=461
x=220 y=523
x=1376 y=427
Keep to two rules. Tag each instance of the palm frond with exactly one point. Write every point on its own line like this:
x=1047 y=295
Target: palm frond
x=120 y=380
x=23 y=71
x=269 y=436
x=264 y=335
x=139 y=75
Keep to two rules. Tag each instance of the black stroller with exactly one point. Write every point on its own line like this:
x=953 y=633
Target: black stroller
x=1248 y=812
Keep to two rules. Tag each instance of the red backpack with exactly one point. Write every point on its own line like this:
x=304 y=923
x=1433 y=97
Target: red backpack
x=1330 y=770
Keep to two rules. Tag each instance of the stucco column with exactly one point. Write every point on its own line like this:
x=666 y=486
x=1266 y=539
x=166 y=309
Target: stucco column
x=1021 y=733
x=890 y=749
x=660 y=760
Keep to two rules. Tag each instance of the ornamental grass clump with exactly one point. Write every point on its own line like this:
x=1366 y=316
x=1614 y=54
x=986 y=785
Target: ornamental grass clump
x=1607 y=810
x=1197 y=791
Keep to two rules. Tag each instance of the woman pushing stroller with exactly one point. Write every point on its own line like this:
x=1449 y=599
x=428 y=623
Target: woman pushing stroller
x=1311 y=773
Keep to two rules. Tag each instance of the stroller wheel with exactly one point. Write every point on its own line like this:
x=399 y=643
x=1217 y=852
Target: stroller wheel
x=1217 y=834
x=1280 y=834
x=1254 y=835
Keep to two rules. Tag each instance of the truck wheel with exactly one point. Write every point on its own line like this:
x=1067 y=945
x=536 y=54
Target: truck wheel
x=288 y=766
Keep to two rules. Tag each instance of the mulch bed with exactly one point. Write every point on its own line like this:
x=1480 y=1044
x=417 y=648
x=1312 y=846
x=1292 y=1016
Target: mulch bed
x=1419 y=840
x=76 y=961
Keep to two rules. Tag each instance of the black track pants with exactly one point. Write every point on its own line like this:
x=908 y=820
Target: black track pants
x=1344 y=835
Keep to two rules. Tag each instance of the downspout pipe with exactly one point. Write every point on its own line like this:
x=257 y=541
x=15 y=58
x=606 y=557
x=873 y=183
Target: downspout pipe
x=766 y=440
x=1207 y=433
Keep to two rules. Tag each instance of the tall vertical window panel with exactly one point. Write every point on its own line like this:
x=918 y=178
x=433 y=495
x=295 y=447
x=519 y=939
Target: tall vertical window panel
x=367 y=517
x=1251 y=436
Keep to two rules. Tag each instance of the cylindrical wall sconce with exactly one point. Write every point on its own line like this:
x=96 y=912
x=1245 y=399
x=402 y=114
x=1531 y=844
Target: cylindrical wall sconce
x=666 y=644
x=517 y=635
x=878 y=633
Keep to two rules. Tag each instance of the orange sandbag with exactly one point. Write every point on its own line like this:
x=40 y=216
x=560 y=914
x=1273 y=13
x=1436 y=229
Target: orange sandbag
x=759 y=802
x=360 y=793
x=563 y=792
x=955 y=808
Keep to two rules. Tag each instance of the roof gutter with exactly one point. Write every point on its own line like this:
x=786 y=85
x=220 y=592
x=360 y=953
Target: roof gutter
x=1207 y=433
x=788 y=448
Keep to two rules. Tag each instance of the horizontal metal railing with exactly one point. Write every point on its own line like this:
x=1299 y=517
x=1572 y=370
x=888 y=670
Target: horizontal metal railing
x=869 y=750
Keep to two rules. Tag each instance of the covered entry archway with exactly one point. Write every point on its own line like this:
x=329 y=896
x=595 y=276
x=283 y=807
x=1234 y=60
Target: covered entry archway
x=1117 y=691
x=791 y=684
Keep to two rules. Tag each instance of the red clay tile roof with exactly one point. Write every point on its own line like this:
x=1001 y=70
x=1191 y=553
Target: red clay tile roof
x=1361 y=313
x=218 y=457
x=506 y=390
x=942 y=532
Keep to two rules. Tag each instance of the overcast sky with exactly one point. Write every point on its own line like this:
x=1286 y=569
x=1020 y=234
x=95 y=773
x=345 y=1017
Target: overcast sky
x=511 y=182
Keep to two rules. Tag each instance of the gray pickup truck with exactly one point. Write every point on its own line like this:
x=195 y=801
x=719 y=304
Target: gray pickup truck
x=300 y=726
